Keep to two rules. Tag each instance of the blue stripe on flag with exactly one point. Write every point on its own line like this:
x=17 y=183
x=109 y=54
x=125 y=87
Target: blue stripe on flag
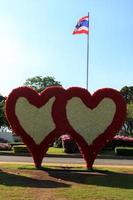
x=83 y=23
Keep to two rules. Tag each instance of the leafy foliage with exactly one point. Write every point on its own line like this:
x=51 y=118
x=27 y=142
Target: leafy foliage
x=128 y=124
x=39 y=83
x=127 y=93
x=5 y=146
x=120 y=141
x=57 y=143
x=3 y=120
x=69 y=144
x=124 y=151
x=2 y=98
x=20 y=149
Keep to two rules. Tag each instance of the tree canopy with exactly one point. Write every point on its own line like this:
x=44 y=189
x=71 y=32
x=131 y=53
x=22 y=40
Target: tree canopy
x=127 y=93
x=39 y=83
x=1 y=98
x=3 y=121
x=128 y=124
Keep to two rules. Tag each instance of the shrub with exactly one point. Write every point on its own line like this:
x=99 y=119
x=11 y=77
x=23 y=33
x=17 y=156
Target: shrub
x=124 y=151
x=20 y=149
x=69 y=144
x=58 y=143
x=5 y=146
x=119 y=141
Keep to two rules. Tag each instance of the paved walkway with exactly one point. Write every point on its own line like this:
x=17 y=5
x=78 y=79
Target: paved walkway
x=68 y=161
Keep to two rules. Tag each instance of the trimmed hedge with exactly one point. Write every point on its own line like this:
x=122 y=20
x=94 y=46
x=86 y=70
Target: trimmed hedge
x=20 y=149
x=120 y=141
x=5 y=147
x=124 y=151
x=69 y=144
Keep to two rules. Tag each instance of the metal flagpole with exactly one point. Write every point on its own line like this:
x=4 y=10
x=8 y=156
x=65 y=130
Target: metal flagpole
x=87 y=69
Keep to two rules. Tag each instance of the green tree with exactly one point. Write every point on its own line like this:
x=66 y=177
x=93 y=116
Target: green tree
x=1 y=98
x=128 y=124
x=3 y=120
x=127 y=93
x=39 y=83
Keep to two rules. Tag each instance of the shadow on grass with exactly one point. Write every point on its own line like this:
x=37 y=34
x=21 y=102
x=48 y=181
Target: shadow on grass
x=98 y=178
x=55 y=178
x=10 y=179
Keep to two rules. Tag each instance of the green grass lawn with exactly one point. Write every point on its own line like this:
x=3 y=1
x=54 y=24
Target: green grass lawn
x=53 y=150
x=24 y=182
x=102 y=184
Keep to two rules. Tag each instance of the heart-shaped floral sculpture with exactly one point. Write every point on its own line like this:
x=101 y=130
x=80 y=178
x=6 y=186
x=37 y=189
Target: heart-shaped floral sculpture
x=31 y=116
x=93 y=120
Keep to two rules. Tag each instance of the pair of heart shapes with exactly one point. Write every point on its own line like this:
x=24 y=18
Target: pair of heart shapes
x=39 y=118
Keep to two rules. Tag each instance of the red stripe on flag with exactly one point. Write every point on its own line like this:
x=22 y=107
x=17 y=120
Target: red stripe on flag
x=80 y=32
x=86 y=17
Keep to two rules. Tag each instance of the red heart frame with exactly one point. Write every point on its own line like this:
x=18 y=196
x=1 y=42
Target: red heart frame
x=38 y=100
x=90 y=152
x=59 y=116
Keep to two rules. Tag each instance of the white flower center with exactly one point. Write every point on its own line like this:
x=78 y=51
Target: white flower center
x=36 y=122
x=90 y=123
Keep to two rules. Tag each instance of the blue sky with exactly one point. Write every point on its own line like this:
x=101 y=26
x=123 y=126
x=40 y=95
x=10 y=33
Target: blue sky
x=36 y=40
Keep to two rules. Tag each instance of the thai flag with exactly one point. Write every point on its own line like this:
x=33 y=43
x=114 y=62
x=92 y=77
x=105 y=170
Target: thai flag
x=82 y=26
